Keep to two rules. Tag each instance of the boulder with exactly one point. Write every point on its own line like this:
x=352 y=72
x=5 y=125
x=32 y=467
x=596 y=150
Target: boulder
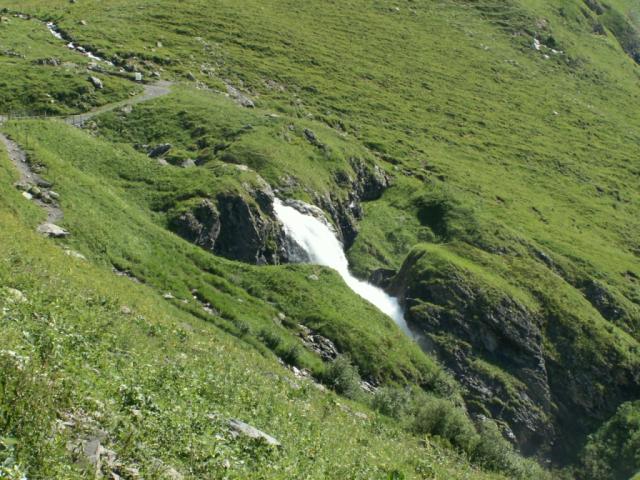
x=315 y=342
x=97 y=83
x=313 y=139
x=240 y=98
x=52 y=230
x=239 y=428
x=159 y=150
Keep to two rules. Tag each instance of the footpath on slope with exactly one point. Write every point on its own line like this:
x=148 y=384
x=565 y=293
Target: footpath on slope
x=35 y=187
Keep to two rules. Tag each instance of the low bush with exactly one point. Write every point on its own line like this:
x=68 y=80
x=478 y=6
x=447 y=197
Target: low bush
x=343 y=377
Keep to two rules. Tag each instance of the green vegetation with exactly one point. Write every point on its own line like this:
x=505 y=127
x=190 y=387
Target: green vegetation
x=613 y=451
x=510 y=229
x=41 y=76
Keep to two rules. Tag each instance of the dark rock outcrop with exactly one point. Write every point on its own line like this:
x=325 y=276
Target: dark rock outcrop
x=525 y=367
x=200 y=226
x=367 y=183
x=234 y=226
x=159 y=150
x=462 y=324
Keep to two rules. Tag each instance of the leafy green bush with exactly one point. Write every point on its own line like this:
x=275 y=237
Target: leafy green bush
x=494 y=452
x=436 y=416
x=613 y=452
x=343 y=377
x=392 y=401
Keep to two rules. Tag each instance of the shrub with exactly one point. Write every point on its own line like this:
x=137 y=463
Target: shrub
x=290 y=354
x=436 y=416
x=392 y=401
x=270 y=338
x=343 y=377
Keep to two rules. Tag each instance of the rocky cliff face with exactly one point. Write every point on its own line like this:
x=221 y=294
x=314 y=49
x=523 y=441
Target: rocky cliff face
x=517 y=363
x=366 y=182
x=234 y=226
x=242 y=225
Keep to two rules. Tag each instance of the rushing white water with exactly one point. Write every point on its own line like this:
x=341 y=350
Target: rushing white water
x=321 y=246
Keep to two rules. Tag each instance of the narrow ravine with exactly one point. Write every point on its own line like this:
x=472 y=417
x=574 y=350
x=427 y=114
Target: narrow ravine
x=312 y=240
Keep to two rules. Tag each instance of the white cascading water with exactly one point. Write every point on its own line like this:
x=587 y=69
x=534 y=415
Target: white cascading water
x=322 y=247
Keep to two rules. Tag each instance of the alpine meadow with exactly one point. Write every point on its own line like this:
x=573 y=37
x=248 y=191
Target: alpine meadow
x=320 y=239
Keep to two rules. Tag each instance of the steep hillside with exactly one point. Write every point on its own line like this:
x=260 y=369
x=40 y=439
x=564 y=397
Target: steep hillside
x=476 y=158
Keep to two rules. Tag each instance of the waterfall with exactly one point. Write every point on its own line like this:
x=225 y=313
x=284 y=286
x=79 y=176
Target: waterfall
x=313 y=241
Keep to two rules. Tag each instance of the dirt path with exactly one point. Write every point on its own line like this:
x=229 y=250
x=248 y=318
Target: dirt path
x=30 y=178
x=150 y=92
x=40 y=190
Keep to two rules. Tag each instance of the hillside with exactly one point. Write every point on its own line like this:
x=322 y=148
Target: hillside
x=477 y=160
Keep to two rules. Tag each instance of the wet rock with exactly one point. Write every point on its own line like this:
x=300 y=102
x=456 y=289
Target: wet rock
x=52 y=230
x=382 y=277
x=159 y=150
x=239 y=428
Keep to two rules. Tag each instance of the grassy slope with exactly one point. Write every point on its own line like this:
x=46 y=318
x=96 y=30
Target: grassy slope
x=32 y=85
x=537 y=153
x=108 y=194
x=161 y=383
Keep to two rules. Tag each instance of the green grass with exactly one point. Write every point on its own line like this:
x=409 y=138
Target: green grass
x=516 y=171
x=32 y=85
x=161 y=383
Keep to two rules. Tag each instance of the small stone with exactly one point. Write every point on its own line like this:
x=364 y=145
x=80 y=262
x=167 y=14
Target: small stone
x=159 y=150
x=239 y=428
x=191 y=76
x=282 y=316
x=74 y=254
x=54 y=195
x=42 y=183
x=52 y=230
x=168 y=296
x=35 y=191
x=13 y=295
x=96 y=82
x=313 y=277
x=189 y=163
x=137 y=76
x=27 y=195
x=361 y=415
x=172 y=474
x=125 y=310
x=83 y=22
x=159 y=44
